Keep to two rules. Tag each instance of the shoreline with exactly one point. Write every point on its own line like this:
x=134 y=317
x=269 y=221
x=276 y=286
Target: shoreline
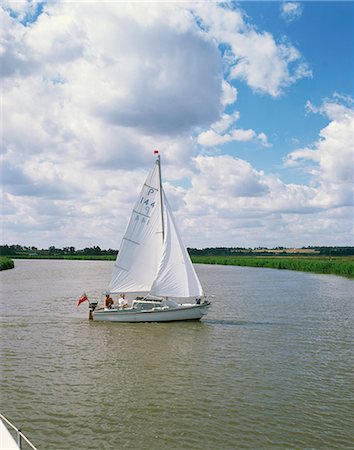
x=340 y=266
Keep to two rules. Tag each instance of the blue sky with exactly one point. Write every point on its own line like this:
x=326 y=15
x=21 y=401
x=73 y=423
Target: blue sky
x=250 y=104
x=324 y=34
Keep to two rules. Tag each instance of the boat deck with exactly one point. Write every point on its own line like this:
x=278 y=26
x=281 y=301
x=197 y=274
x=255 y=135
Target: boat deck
x=7 y=442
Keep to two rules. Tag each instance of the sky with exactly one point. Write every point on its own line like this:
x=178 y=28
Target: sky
x=250 y=105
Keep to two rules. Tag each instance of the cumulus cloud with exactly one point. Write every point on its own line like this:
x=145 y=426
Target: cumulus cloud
x=329 y=160
x=24 y=11
x=90 y=89
x=291 y=10
x=230 y=201
x=102 y=93
x=211 y=138
x=227 y=177
x=225 y=122
x=253 y=203
x=229 y=93
x=255 y=57
x=224 y=131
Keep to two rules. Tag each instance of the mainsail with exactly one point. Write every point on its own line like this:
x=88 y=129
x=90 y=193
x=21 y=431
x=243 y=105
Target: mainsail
x=140 y=251
x=152 y=257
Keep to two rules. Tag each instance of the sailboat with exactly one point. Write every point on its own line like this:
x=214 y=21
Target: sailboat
x=153 y=266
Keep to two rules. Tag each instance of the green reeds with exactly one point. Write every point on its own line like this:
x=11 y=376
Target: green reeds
x=6 y=263
x=336 y=266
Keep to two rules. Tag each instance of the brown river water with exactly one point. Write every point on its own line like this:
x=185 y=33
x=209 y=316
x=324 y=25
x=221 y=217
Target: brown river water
x=270 y=367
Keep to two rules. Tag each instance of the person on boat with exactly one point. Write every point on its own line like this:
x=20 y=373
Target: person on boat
x=108 y=301
x=122 y=301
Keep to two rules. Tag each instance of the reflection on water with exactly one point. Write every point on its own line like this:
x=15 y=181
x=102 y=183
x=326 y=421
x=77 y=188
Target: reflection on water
x=269 y=367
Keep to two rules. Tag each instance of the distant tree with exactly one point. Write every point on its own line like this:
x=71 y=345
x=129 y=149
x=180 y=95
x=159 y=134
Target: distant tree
x=52 y=250
x=5 y=250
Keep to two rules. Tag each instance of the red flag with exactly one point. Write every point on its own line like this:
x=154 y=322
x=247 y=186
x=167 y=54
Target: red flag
x=82 y=299
x=156 y=152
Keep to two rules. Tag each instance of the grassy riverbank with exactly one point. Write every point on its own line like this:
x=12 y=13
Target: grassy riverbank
x=6 y=263
x=343 y=266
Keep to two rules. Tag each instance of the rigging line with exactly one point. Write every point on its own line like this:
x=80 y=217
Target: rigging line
x=137 y=212
x=133 y=242
x=121 y=268
x=151 y=187
x=161 y=199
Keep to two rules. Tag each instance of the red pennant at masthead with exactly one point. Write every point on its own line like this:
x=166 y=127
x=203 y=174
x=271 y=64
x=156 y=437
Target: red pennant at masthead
x=82 y=299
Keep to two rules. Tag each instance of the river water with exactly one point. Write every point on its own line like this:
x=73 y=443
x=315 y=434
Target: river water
x=270 y=367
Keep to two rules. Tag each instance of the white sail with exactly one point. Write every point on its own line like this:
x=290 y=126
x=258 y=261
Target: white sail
x=176 y=276
x=140 y=252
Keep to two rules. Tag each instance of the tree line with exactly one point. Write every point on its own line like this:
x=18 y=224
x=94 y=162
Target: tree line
x=20 y=250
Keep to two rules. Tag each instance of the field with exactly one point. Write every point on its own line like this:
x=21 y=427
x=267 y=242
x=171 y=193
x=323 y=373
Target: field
x=343 y=266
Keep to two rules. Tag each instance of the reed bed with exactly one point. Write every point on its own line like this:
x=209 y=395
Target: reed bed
x=6 y=263
x=335 y=266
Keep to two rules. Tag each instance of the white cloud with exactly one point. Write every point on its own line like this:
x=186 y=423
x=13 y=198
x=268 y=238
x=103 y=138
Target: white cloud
x=211 y=139
x=23 y=10
x=229 y=94
x=218 y=134
x=248 y=206
x=227 y=177
x=231 y=203
x=330 y=159
x=291 y=10
x=225 y=122
x=263 y=138
x=157 y=78
x=89 y=90
x=255 y=57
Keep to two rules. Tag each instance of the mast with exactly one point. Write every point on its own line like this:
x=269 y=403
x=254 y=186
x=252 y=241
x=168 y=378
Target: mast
x=158 y=162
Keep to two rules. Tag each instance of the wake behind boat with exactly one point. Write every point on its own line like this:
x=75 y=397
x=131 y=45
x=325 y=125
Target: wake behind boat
x=152 y=266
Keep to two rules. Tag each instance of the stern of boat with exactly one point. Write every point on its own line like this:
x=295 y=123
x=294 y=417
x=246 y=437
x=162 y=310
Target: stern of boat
x=92 y=307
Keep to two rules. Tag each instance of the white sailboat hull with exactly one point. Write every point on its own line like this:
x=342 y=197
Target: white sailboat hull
x=183 y=312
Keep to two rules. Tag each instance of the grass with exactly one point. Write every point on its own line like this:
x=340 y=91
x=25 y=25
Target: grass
x=343 y=266
x=6 y=263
